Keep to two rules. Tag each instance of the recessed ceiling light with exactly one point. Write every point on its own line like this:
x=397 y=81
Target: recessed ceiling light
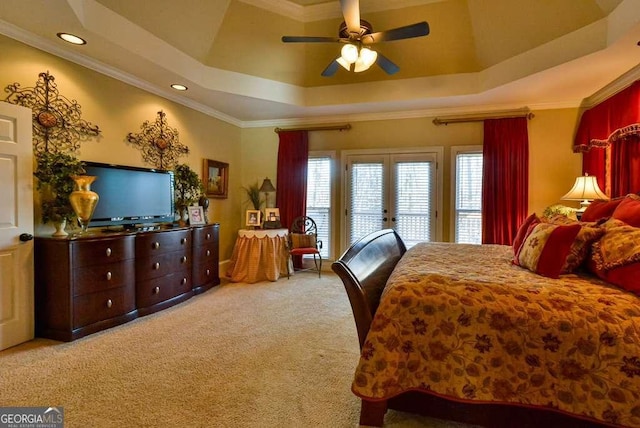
x=178 y=87
x=72 y=39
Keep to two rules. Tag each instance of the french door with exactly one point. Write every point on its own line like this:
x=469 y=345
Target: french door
x=392 y=190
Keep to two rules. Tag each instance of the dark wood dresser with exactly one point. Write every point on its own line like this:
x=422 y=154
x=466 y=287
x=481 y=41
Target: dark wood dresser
x=205 y=257
x=85 y=284
x=163 y=269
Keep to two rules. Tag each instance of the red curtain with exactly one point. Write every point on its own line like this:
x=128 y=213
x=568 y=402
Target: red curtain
x=625 y=166
x=505 y=179
x=609 y=137
x=291 y=192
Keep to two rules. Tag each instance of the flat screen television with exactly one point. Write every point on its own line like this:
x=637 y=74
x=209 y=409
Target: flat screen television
x=131 y=197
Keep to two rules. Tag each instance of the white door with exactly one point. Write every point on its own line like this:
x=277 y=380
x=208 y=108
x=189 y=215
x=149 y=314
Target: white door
x=16 y=226
x=392 y=191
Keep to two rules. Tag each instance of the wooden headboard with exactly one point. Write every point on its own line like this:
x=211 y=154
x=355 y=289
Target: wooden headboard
x=364 y=269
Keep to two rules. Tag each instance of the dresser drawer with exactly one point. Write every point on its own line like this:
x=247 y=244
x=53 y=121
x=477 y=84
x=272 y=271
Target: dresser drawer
x=103 y=277
x=153 y=243
x=88 y=252
x=205 y=236
x=94 y=307
x=162 y=264
x=153 y=291
x=204 y=273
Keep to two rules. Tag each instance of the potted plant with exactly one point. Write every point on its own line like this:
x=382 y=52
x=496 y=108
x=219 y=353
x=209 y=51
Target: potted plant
x=54 y=171
x=253 y=193
x=188 y=188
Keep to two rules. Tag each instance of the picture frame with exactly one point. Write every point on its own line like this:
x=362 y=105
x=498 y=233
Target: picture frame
x=196 y=215
x=252 y=218
x=215 y=178
x=272 y=214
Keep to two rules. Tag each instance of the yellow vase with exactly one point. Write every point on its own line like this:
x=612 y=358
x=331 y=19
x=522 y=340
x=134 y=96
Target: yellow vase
x=84 y=200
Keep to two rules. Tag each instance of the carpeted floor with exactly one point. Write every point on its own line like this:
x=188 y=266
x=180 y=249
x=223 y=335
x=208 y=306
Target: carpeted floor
x=272 y=354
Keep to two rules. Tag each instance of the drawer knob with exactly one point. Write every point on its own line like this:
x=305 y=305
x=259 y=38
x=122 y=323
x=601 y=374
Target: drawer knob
x=183 y=241
x=183 y=259
x=155 y=245
x=156 y=266
x=208 y=236
x=108 y=252
x=208 y=253
x=109 y=276
x=109 y=303
x=208 y=272
x=156 y=290
x=184 y=281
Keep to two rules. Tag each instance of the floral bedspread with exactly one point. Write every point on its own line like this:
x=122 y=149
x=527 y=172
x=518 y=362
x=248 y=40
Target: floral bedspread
x=462 y=322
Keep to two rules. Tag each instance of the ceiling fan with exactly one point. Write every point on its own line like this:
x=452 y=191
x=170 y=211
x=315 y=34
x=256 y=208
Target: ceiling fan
x=357 y=35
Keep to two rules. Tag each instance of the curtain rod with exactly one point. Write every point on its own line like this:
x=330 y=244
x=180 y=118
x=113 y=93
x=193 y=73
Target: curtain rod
x=480 y=117
x=345 y=127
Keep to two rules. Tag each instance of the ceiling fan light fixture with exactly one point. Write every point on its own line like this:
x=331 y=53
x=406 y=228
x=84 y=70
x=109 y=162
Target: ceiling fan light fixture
x=366 y=59
x=349 y=53
x=344 y=64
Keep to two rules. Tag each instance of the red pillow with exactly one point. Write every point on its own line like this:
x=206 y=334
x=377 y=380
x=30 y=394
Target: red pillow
x=600 y=209
x=546 y=248
x=522 y=232
x=628 y=211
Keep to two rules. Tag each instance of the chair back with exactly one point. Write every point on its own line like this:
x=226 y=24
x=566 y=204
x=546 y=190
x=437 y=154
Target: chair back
x=303 y=233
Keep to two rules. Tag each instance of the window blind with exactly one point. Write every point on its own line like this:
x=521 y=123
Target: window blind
x=468 y=204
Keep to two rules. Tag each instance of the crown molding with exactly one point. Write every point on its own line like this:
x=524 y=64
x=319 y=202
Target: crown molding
x=621 y=83
x=56 y=49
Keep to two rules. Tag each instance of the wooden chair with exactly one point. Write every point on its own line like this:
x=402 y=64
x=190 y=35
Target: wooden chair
x=303 y=240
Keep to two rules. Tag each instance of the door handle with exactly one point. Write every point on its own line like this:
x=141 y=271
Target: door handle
x=24 y=237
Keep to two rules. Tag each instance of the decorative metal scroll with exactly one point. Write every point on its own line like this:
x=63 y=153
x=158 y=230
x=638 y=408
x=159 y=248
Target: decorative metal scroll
x=58 y=126
x=159 y=143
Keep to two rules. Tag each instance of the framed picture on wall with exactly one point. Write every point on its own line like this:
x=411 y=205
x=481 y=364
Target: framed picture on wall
x=196 y=215
x=253 y=218
x=215 y=178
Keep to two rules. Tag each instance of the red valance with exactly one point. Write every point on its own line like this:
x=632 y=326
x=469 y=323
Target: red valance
x=613 y=119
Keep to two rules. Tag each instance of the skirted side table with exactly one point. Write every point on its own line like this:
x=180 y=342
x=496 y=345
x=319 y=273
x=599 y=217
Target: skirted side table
x=259 y=255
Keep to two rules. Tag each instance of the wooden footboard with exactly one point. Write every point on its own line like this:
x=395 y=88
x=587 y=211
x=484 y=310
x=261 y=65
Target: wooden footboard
x=364 y=269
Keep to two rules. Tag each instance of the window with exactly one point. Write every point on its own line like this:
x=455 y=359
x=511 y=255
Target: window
x=319 y=198
x=467 y=198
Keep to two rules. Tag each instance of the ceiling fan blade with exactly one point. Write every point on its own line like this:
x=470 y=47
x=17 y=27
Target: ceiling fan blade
x=414 y=30
x=386 y=64
x=331 y=69
x=309 y=39
x=351 y=13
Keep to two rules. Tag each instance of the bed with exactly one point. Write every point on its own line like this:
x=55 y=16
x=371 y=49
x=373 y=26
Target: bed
x=462 y=332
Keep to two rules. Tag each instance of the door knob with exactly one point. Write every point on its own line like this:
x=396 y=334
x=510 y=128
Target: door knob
x=24 y=237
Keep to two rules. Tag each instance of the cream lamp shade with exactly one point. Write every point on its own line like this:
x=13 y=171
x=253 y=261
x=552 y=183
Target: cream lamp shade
x=585 y=190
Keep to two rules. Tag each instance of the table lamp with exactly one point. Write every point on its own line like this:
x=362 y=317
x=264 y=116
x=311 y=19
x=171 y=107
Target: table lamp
x=585 y=190
x=266 y=188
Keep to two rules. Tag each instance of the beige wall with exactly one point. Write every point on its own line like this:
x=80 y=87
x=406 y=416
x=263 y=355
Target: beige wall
x=118 y=108
x=552 y=171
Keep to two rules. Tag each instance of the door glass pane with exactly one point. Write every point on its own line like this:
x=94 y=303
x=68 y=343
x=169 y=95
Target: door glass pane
x=468 y=198
x=413 y=190
x=319 y=199
x=367 y=199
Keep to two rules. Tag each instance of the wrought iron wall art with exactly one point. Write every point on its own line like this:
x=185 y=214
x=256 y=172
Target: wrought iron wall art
x=159 y=143
x=58 y=126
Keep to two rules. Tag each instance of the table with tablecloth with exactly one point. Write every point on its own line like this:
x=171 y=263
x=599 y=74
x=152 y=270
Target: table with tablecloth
x=259 y=255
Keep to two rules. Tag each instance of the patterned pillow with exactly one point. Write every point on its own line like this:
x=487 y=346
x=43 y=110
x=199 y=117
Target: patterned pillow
x=302 y=240
x=616 y=256
x=522 y=233
x=546 y=248
x=581 y=246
